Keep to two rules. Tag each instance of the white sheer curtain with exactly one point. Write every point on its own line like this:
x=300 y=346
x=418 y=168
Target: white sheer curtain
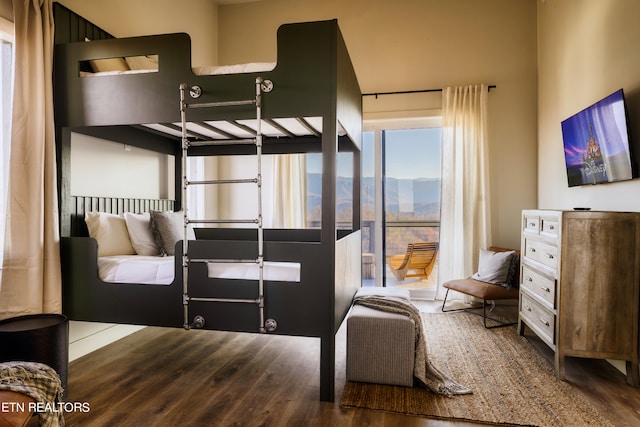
x=289 y=186
x=465 y=207
x=31 y=281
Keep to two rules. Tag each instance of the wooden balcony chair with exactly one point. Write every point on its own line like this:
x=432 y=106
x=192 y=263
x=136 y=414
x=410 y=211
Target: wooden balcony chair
x=487 y=291
x=420 y=258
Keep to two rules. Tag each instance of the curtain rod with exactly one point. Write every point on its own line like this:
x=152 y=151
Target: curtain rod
x=402 y=92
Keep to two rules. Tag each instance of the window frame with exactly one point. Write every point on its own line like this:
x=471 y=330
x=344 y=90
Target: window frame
x=7 y=34
x=377 y=123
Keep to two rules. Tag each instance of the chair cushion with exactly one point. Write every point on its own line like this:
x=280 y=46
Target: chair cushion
x=483 y=290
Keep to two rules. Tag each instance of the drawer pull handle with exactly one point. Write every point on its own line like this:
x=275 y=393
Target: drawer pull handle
x=533 y=249
x=544 y=322
x=526 y=307
x=550 y=256
x=551 y=227
x=545 y=289
x=532 y=224
x=528 y=279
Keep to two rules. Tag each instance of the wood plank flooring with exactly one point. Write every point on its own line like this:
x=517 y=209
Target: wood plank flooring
x=171 y=377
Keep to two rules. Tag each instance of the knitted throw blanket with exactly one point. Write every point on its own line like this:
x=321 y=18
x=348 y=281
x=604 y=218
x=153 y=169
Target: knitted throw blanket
x=430 y=376
x=38 y=381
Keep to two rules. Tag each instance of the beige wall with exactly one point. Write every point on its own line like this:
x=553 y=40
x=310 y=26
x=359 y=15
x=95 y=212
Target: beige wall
x=418 y=44
x=587 y=50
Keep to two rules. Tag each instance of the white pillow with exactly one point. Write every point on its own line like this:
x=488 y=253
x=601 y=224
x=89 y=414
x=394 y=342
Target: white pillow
x=110 y=231
x=495 y=267
x=139 y=227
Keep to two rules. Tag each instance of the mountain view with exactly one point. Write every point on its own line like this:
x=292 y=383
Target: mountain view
x=406 y=199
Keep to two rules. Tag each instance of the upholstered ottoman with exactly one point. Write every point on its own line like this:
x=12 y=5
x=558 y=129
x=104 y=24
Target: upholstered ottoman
x=380 y=345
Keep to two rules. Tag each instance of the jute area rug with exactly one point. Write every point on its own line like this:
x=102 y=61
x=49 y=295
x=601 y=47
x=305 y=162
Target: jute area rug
x=512 y=383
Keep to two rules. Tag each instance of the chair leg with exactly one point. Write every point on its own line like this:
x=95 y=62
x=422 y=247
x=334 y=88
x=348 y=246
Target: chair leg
x=454 y=309
x=499 y=323
x=445 y=302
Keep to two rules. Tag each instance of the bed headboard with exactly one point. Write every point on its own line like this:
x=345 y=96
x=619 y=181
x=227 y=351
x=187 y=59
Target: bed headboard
x=82 y=204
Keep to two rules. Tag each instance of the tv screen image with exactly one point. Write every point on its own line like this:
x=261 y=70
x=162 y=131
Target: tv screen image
x=596 y=143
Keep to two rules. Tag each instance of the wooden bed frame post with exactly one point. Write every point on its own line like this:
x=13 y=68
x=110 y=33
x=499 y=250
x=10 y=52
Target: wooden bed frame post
x=327 y=367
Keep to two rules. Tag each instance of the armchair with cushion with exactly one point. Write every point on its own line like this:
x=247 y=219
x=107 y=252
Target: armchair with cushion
x=498 y=278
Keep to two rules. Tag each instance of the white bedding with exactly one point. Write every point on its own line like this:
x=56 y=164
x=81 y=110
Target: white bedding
x=253 y=67
x=158 y=270
x=141 y=269
x=277 y=271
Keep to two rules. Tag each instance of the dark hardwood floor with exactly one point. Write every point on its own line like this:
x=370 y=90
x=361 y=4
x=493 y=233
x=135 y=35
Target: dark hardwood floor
x=172 y=377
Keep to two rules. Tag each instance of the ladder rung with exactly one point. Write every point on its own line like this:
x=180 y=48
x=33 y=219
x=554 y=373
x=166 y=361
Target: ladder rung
x=247 y=141
x=222 y=221
x=224 y=181
x=228 y=261
x=241 y=300
x=220 y=104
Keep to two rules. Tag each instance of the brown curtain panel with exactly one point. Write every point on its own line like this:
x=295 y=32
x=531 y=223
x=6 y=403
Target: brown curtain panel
x=31 y=279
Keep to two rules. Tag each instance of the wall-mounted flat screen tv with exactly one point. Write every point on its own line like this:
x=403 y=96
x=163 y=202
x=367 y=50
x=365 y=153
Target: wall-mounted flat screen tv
x=596 y=143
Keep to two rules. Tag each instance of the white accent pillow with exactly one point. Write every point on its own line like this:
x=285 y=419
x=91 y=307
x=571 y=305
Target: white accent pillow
x=139 y=227
x=495 y=267
x=110 y=231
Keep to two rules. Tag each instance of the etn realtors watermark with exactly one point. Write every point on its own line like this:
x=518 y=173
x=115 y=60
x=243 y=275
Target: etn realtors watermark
x=57 y=407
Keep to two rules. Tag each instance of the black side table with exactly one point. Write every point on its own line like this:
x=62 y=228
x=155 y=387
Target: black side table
x=42 y=338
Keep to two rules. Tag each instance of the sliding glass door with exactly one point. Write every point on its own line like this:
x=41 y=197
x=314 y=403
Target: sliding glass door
x=400 y=197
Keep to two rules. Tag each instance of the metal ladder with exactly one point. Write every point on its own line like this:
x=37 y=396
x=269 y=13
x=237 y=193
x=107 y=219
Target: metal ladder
x=195 y=92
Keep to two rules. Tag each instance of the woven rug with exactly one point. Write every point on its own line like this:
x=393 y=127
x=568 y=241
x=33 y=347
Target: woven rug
x=512 y=383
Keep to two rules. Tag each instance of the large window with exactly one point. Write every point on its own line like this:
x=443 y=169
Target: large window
x=6 y=96
x=401 y=169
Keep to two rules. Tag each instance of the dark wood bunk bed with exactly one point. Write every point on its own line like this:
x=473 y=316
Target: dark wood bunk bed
x=313 y=78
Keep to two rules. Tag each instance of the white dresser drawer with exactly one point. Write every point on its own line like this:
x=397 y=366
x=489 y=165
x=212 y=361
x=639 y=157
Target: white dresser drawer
x=531 y=224
x=538 y=317
x=549 y=227
x=539 y=284
x=542 y=252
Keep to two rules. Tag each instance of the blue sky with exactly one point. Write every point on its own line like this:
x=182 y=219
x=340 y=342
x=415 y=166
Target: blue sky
x=410 y=154
x=414 y=153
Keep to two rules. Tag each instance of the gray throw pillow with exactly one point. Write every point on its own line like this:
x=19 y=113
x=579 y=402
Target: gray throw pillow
x=168 y=229
x=495 y=267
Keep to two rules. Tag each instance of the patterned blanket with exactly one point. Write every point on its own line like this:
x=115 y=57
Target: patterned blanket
x=38 y=381
x=430 y=376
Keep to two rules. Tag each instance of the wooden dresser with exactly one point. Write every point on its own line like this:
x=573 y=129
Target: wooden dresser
x=580 y=281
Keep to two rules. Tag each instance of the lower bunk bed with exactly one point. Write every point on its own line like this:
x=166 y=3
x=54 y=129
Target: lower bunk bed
x=303 y=302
